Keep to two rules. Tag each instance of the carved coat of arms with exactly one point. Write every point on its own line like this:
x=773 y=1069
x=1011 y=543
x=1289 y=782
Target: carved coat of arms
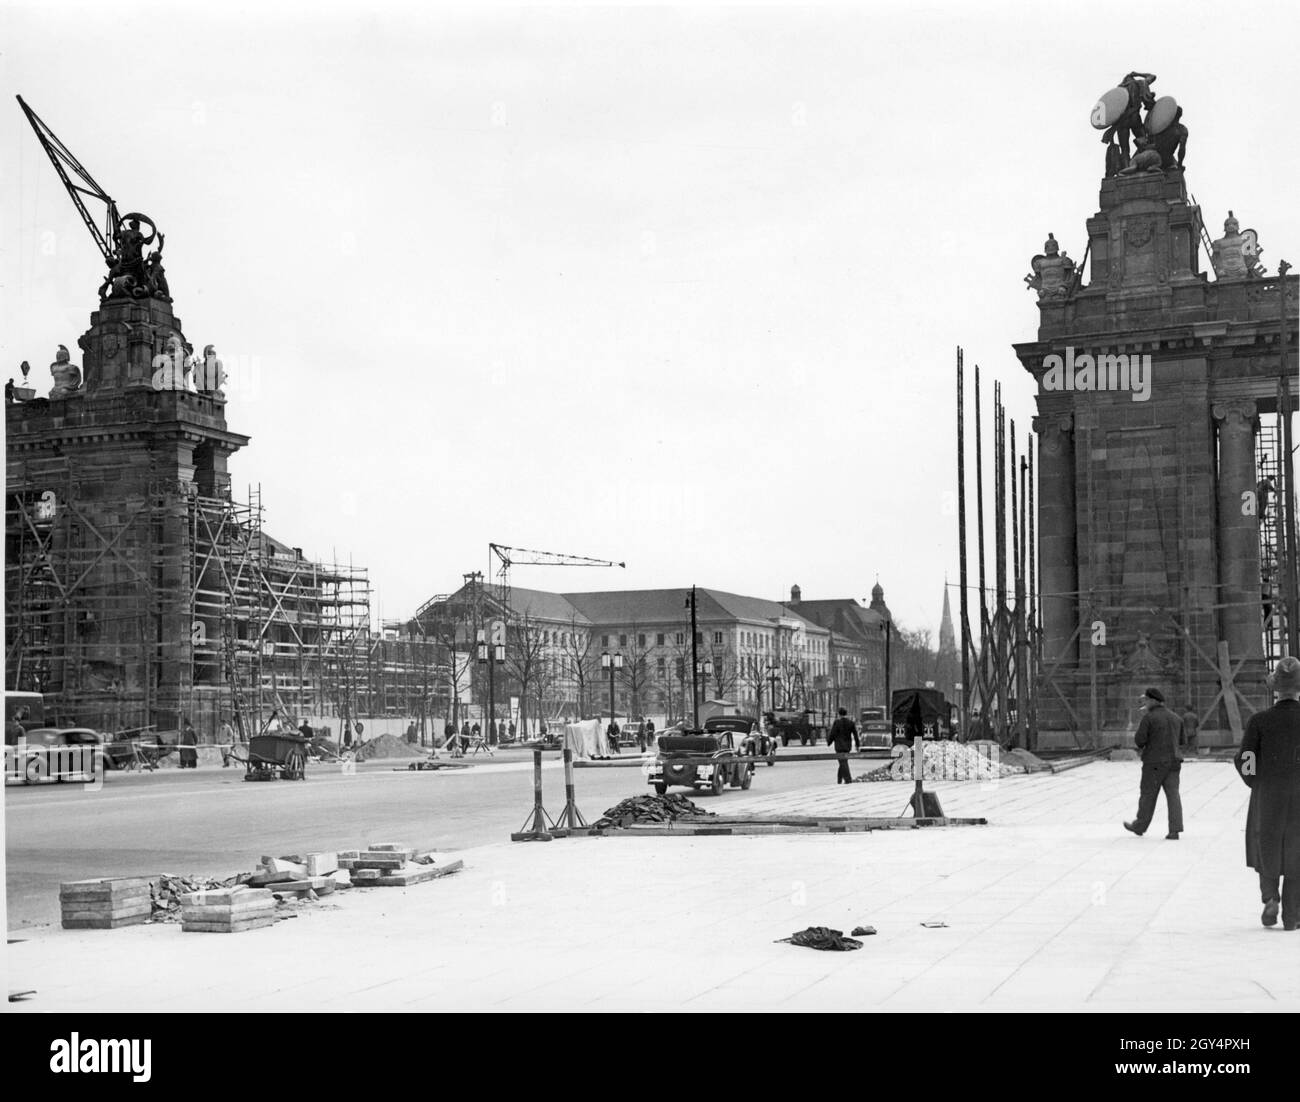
x=1138 y=235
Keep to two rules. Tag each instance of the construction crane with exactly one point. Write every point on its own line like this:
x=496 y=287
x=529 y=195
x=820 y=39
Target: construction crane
x=64 y=163
x=505 y=557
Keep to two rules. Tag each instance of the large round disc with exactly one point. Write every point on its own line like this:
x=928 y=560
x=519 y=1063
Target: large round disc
x=1109 y=108
x=1161 y=115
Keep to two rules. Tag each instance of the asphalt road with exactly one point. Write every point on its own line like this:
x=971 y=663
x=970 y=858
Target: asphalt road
x=210 y=822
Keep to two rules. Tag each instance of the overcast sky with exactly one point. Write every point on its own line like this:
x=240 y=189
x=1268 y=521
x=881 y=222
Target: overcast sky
x=677 y=287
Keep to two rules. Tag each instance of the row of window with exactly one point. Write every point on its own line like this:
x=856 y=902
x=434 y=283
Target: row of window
x=758 y=640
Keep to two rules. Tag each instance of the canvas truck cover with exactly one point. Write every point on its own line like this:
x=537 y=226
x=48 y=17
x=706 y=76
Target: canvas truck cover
x=916 y=709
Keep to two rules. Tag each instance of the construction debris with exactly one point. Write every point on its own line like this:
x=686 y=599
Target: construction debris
x=948 y=761
x=822 y=937
x=166 y=892
x=392 y=865
x=651 y=809
x=104 y=904
x=250 y=899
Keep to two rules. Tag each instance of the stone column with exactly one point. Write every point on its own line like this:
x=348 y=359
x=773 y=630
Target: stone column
x=1239 y=592
x=1058 y=572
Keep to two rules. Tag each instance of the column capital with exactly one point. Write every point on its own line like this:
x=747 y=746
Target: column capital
x=1052 y=430
x=1236 y=412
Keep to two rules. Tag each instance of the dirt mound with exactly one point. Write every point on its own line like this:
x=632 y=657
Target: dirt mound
x=388 y=746
x=1032 y=762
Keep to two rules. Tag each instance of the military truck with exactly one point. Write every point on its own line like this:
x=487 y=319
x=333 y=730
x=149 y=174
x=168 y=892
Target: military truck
x=806 y=725
x=923 y=712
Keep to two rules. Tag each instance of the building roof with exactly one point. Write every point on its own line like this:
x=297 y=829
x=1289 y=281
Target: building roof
x=668 y=606
x=846 y=617
x=540 y=605
x=652 y=607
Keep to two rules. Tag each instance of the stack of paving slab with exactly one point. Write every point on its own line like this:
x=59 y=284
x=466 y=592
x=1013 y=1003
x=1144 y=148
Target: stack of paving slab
x=105 y=904
x=315 y=875
x=392 y=865
x=227 y=910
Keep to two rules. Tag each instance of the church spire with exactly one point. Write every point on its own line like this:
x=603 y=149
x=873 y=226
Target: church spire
x=947 y=638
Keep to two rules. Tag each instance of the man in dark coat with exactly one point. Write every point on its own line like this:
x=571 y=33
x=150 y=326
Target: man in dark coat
x=1159 y=737
x=844 y=737
x=189 y=739
x=1269 y=762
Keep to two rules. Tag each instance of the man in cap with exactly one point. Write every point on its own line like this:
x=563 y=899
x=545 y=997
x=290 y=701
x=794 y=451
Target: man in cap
x=1158 y=737
x=1269 y=762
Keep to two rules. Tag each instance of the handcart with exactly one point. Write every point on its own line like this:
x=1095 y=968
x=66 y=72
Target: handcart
x=277 y=756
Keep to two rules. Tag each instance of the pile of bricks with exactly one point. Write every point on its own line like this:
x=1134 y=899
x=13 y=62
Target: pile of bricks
x=227 y=910
x=392 y=865
x=105 y=904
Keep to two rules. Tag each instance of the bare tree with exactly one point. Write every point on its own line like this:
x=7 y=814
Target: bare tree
x=525 y=657
x=751 y=675
x=581 y=661
x=724 y=670
x=544 y=679
x=636 y=668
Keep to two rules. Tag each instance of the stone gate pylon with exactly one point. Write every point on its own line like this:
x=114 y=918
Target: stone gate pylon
x=1153 y=378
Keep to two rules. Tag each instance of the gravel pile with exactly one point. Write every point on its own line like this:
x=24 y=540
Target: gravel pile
x=947 y=761
x=652 y=809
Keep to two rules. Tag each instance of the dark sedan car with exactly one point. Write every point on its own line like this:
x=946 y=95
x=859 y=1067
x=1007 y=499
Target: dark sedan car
x=704 y=760
x=752 y=737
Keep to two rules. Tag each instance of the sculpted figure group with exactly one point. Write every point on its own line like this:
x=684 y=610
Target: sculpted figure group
x=132 y=274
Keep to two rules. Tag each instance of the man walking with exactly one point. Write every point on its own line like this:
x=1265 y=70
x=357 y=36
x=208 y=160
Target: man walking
x=226 y=737
x=1269 y=763
x=1158 y=737
x=844 y=737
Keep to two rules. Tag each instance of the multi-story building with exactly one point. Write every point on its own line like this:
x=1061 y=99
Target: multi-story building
x=747 y=650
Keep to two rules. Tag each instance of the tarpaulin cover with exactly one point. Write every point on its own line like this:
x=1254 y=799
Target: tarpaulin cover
x=586 y=739
x=917 y=708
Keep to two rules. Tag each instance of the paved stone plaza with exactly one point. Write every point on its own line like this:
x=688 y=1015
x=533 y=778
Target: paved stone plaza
x=1052 y=906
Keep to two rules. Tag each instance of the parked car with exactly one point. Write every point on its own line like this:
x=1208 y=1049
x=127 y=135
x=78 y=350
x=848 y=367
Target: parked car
x=52 y=754
x=752 y=736
x=874 y=730
x=703 y=760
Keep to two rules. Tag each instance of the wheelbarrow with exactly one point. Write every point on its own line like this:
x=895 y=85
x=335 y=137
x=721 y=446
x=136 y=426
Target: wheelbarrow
x=278 y=756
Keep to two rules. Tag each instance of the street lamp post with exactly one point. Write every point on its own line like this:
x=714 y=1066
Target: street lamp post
x=772 y=670
x=705 y=671
x=887 y=626
x=611 y=662
x=497 y=652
